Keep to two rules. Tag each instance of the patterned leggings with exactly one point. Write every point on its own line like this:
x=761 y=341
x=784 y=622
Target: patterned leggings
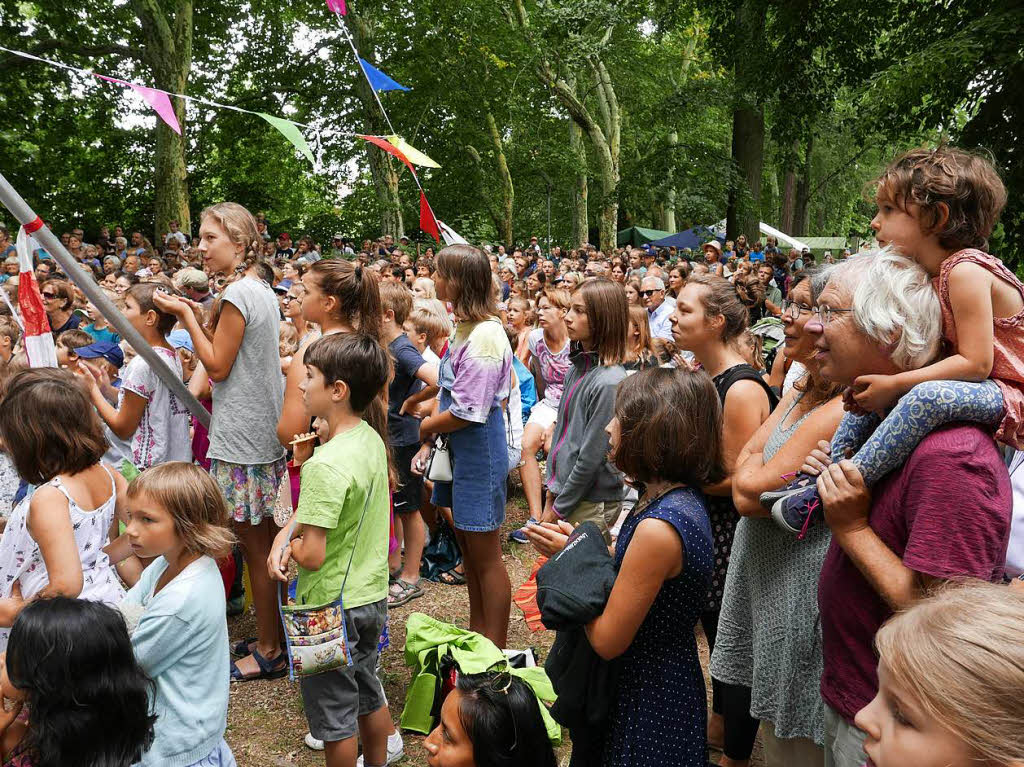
x=882 y=447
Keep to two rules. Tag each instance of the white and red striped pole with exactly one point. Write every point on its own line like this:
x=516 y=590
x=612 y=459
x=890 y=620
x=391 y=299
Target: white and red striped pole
x=34 y=226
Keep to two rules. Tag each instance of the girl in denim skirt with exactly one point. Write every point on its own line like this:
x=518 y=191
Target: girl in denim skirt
x=475 y=378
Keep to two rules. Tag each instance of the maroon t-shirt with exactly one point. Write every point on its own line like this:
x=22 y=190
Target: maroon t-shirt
x=946 y=514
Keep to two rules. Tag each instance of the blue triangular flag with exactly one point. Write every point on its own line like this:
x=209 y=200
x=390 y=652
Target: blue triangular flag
x=378 y=80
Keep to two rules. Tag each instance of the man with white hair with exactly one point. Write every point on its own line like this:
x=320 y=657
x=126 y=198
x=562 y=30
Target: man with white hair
x=944 y=514
x=652 y=293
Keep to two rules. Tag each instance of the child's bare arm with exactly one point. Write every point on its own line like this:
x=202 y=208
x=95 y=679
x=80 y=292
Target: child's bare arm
x=970 y=296
x=310 y=550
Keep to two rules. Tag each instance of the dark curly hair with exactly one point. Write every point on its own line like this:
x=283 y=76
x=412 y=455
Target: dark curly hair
x=88 y=696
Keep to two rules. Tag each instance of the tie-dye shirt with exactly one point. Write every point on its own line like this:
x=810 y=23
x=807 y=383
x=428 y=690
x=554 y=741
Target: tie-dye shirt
x=477 y=369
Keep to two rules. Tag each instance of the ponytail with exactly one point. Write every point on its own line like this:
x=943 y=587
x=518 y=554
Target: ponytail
x=357 y=291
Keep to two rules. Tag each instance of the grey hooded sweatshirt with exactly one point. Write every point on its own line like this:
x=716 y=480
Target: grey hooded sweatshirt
x=578 y=468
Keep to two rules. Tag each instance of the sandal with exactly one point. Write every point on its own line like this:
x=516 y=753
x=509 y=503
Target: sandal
x=402 y=592
x=452 y=578
x=243 y=647
x=269 y=669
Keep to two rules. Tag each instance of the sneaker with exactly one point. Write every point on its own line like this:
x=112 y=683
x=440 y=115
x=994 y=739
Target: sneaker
x=314 y=743
x=795 y=485
x=797 y=511
x=519 y=536
x=396 y=749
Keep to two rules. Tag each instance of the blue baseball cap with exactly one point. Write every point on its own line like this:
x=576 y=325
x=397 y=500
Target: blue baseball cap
x=108 y=350
x=180 y=339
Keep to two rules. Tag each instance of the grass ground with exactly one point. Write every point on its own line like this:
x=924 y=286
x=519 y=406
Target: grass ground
x=266 y=724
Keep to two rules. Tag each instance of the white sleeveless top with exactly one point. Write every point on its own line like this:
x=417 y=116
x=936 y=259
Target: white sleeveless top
x=21 y=560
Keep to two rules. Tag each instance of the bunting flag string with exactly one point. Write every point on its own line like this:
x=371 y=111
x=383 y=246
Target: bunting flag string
x=159 y=100
x=378 y=80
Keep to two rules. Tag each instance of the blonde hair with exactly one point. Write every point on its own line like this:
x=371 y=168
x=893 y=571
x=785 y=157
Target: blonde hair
x=436 y=308
x=195 y=503
x=426 y=285
x=240 y=226
x=287 y=339
x=959 y=654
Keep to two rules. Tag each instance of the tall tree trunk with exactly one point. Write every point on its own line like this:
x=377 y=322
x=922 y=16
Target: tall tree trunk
x=788 y=201
x=167 y=52
x=603 y=129
x=743 y=215
x=744 y=212
x=668 y=218
x=382 y=169
x=579 y=190
x=606 y=142
x=507 y=190
x=801 y=214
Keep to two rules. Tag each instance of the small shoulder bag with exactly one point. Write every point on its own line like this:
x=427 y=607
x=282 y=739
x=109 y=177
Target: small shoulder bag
x=315 y=635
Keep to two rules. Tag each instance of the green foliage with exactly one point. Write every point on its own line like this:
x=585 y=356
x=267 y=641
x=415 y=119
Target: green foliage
x=859 y=80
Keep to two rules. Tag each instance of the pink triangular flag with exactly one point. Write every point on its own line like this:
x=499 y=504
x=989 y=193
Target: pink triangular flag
x=159 y=100
x=161 y=104
x=338 y=6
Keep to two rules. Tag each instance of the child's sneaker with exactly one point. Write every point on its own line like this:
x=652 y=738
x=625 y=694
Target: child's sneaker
x=396 y=748
x=519 y=536
x=799 y=481
x=799 y=510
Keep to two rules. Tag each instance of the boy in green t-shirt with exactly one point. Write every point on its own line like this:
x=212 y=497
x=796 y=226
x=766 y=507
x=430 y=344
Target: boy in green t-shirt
x=344 y=480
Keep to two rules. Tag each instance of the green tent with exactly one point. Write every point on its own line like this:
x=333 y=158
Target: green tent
x=637 y=235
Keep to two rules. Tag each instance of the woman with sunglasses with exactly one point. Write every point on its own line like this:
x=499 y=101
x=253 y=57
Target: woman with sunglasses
x=59 y=303
x=490 y=720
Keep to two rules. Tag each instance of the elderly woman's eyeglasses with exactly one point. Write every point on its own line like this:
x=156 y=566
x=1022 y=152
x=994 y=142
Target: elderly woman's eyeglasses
x=827 y=313
x=793 y=309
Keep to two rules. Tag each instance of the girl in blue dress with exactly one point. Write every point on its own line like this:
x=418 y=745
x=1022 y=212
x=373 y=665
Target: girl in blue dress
x=666 y=438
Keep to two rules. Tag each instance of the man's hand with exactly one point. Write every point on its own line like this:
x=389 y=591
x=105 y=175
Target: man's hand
x=845 y=498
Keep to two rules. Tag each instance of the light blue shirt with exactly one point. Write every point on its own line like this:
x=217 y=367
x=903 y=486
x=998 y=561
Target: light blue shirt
x=181 y=642
x=661 y=327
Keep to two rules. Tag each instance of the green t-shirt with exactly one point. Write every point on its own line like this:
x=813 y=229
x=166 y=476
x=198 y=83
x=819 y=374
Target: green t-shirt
x=334 y=489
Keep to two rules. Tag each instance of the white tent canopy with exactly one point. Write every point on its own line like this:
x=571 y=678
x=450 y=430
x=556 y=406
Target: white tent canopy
x=782 y=237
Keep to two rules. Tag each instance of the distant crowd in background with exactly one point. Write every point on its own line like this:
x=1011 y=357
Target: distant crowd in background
x=817 y=463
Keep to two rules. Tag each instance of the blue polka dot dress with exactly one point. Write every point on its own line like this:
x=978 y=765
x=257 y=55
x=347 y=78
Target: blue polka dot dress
x=660 y=716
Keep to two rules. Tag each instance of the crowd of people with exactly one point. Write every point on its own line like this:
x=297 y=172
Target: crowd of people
x=815 y=463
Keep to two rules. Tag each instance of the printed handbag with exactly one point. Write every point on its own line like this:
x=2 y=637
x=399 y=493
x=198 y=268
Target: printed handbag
x=315 y=635
x=439 y=463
